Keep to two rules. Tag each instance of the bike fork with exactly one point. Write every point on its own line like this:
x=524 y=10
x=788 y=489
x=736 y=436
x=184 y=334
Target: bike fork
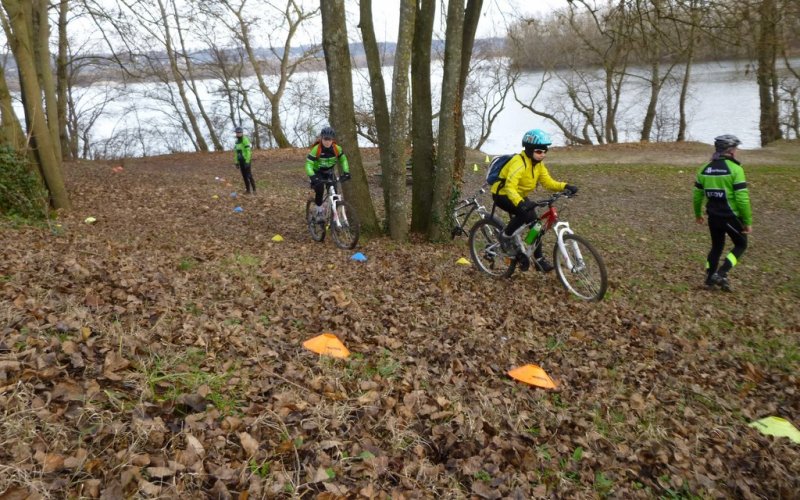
x=579 y=265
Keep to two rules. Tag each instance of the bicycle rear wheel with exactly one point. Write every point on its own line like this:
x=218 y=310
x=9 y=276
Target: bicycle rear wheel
x=316 y=229
x=485 y=251
x=587 y=279
x=345 y=228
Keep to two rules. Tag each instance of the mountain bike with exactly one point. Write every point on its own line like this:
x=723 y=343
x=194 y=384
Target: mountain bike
x=578 y=265
x=336 y=215
x=463 y=211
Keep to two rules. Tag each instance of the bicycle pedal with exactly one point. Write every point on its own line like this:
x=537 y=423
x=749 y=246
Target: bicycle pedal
x=524 y=262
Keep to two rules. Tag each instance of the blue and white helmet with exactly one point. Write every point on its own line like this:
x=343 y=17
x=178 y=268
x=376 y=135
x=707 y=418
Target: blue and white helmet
x=536 y=138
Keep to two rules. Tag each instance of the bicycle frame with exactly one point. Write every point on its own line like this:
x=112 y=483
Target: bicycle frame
x=550 y=221
x=333 y=198
x=465 y=209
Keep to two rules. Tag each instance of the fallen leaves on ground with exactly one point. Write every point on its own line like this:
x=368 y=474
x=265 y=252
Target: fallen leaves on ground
x=159 y=352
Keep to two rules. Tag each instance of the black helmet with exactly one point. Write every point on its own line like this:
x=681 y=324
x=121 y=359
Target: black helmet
x=327 y=132
x=725 y=142
x=239 y=130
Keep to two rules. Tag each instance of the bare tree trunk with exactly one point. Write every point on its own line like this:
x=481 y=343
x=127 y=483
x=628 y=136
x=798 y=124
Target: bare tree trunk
x=45 y=71
x=379 y=104
x=471 y=18
x=11 y=132
x=294 y=16
x=398 y=216
x=684 y=94
x=423 y=156
x=200 y=141
x=766 y=74
x=443 y=186
x=62 y=81
x=652 y=105
x=193 y=83
x=17 y=24
x=340 y=86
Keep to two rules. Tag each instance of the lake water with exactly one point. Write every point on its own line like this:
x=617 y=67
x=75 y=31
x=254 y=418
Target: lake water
x=724 y=100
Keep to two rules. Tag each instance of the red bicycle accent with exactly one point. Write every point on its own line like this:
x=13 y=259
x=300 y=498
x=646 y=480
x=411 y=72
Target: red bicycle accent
x=549 y=218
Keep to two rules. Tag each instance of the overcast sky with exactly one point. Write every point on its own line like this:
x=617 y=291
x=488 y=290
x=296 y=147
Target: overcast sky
x=495 y=15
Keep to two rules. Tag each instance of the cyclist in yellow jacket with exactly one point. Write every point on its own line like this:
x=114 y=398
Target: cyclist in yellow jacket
x=518 y=178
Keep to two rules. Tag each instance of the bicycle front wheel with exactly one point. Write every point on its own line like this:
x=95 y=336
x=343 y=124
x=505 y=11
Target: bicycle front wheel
x=485 y=251
x=345 y=228
x=582 y=271
x=316 y=229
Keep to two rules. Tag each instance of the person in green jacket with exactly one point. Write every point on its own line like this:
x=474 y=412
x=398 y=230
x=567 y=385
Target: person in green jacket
x=722 y=184
x=320 y=163
x=243 y=152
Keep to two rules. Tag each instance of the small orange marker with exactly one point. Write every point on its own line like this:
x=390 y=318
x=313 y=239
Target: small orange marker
x=327 y=344
x=533 y=375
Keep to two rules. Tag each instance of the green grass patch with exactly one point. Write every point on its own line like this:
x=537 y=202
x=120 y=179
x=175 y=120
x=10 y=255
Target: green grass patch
x=602 y=484
x=773 y=352
x=240 y=264
x=360 y=367
x=169 y=377
x=261 y=470
x=187 y=264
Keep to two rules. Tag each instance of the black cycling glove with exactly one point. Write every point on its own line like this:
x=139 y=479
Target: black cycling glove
x=525 y=206
x=572 y=189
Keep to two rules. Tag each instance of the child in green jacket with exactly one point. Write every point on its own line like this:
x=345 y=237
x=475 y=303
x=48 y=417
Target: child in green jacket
x=244 y=154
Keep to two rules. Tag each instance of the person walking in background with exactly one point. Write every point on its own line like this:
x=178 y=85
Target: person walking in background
x=722 y=184
x=244 y=154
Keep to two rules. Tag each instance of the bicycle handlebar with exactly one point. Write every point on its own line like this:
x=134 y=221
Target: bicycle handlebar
x=553 y=198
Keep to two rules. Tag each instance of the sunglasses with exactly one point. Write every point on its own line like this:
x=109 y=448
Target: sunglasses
x=540 y=151
x=327 y=138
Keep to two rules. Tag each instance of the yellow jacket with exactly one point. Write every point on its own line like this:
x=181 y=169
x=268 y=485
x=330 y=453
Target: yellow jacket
x=520 y=178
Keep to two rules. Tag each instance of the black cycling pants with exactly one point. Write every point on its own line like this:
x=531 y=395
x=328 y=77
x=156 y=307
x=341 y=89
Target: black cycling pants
x=518 y=218
x=719 y=227
x=247 y=175
x=325 y=176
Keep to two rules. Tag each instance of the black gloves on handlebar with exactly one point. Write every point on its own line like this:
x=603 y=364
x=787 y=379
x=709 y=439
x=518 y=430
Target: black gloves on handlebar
x=571 y=189
x=345 y=177
x=314 y=180
x=525 y=206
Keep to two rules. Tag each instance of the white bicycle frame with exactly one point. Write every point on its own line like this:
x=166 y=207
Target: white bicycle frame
x=561 y=228
x=334 y=199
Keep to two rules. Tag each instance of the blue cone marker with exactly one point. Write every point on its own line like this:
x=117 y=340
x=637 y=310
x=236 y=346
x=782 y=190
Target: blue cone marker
x=358 y=256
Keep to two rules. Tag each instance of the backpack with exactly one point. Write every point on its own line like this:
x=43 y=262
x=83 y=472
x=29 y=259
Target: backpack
x=319 y=149
x=497 y=164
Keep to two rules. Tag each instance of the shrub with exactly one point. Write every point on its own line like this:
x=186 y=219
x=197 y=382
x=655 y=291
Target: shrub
x=21 y=193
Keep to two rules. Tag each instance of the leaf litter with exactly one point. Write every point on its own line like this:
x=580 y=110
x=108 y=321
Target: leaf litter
x=159 y=353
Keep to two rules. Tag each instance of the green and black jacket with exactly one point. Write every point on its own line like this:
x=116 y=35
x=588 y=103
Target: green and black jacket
x=721 y=182
x=242 y=151
x=320 y=158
